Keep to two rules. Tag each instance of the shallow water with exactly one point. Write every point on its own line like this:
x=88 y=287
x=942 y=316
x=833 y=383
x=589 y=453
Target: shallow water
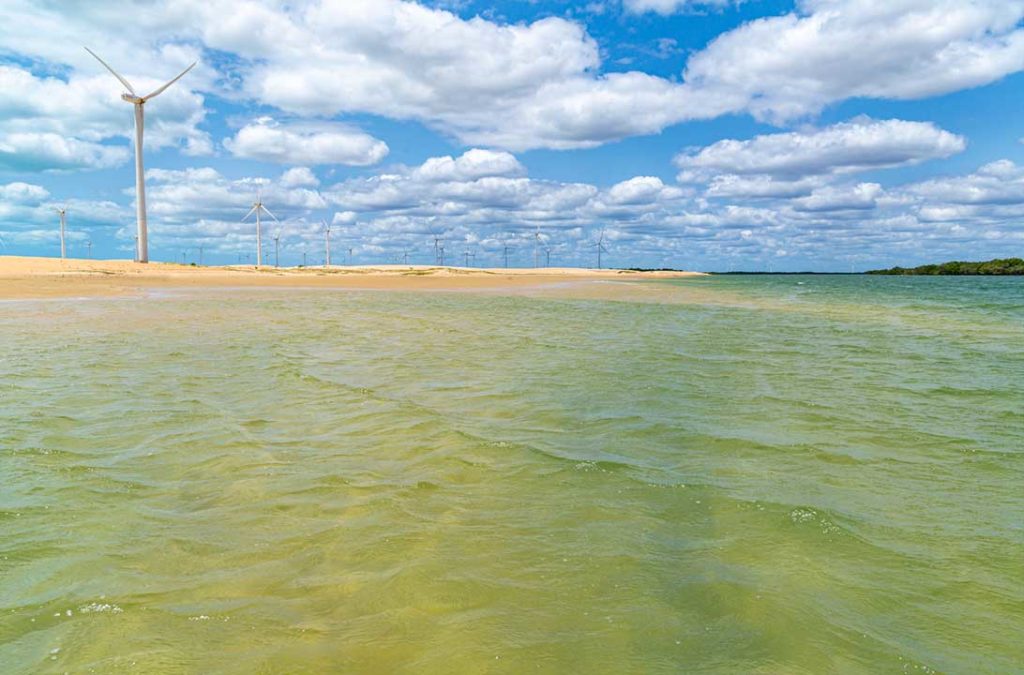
x=756 y=474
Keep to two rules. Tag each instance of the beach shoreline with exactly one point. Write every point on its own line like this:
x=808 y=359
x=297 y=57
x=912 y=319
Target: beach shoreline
x=24 y=277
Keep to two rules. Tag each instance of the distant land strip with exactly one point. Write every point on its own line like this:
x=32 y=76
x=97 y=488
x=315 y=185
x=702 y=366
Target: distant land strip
x=999 y=267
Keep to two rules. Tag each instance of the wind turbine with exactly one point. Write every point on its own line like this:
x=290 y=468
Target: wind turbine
x=536 y=247
x=277 y=249
x=405 y=257
x=437 y=250
x=88 y=246
x=327 y=242
x=349 y=256
x=257 y=207
x=60 y=212
x=142 y=247
x=506 y=255
x=547 y=250
x=600 y=249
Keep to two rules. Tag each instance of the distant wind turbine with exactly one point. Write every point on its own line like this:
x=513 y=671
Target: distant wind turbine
x=600 y=249
x=277 y=249
x=506 y=255
x=61 y=212
x=257 y=207
x=437 y=250
x=548 y=252
x=536 y=247
x=142 y=245
x=88 y=247
x=327 y=242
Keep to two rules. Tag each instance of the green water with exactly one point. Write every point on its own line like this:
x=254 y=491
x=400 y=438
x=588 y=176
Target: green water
x=772 y=475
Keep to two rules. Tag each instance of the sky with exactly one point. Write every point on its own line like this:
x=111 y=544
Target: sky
x=825 y=135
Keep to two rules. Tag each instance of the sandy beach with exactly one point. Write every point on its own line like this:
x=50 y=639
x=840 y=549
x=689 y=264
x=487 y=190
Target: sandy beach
x=27 y=277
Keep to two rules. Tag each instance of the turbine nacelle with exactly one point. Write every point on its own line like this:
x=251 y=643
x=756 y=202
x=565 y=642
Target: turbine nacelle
x=131 y=98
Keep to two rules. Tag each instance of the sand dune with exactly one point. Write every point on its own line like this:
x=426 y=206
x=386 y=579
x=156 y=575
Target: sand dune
x=25 y=277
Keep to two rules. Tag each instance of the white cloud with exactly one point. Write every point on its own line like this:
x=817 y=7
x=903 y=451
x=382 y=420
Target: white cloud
x=666 y=7
x=1000 y=182
x=35 y=151
x=472 y=164
x=23 y=193
x=304 y=143
x=642 y=190
x=841 y=198
x=524 y=85
x=829 y=50
x=299 y=176
x=859 y=145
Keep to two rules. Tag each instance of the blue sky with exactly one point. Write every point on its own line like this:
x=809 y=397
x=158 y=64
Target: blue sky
x=817 y=134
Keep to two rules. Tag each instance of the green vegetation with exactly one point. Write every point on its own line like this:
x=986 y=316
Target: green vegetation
x=1005 y=266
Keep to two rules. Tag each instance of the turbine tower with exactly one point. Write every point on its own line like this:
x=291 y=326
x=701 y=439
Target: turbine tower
x=327 y=242
x=61 y=212
x=277 y=249
x=142 y=245
x=536 y=247
x=600 y=249
x=257 y=207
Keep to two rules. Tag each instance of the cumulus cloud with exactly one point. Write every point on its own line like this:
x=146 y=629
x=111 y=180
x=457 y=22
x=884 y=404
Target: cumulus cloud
x=666 y=7
x=303 y=143
x=642 y=190
x=526 y=85
x=793 y=65
x=858 y=145
x=472 y=164
x=862 y=196
x=29 y=151
x=23 y=193
x=299 y=176
x=1000 y=182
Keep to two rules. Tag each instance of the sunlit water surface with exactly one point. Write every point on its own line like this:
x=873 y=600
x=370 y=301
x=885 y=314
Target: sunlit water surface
x=775 y=475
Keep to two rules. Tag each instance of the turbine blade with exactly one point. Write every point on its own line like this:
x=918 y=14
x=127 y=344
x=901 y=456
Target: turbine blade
x=250 y=213
x=267 y=211
x=112 y=72
x=161 y=89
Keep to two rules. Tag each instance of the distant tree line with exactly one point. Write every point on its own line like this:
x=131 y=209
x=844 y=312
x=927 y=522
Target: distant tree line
x=1004 y=266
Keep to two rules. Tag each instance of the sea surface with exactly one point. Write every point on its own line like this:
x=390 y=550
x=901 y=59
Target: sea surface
x=785 y=474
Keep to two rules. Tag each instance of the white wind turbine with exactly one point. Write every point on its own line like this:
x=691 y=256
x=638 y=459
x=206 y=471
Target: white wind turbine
x=536 y=247
x=257 y=208
x=142 y=241
x=327 y=243
x=600 y=249
x=61 y=211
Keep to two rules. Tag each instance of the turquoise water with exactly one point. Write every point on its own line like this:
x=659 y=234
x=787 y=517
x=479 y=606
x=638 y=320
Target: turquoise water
x=732 y=474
